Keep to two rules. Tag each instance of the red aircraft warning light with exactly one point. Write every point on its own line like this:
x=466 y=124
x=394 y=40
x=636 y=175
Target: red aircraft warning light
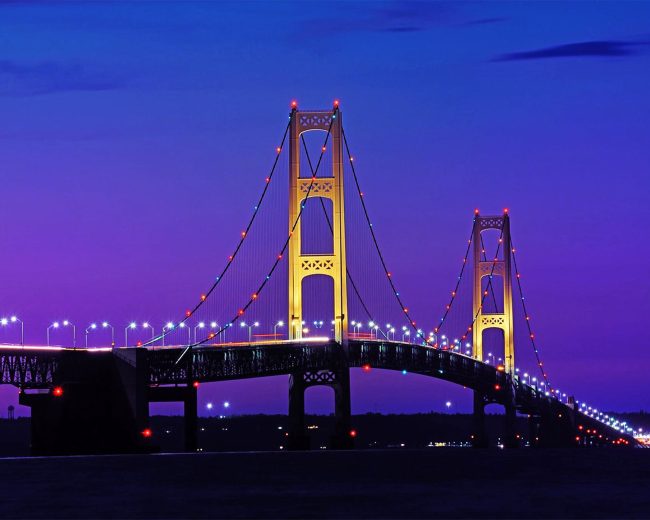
x=146 y=433
x=57 y=391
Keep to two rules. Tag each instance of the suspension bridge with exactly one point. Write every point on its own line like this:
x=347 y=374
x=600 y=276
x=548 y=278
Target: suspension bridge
x=318 y=274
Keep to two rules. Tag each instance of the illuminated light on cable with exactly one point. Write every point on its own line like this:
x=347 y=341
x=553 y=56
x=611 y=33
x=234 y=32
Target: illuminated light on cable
x=280 y=256
x=278 y=149
x=203 y=297
x=211 y=335
x=240 y=312
x=230 y=258
x=146 y=433
x=254 y=296
x=406 y=309
x=389 y=275
x=243 y=234
x=57 y=391
x=324 y=148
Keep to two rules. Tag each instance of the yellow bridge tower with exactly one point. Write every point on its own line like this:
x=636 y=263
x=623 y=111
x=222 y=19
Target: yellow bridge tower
x=303 y=265
x=491 y=267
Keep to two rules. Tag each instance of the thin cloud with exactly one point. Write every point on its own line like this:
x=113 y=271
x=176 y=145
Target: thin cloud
x=390 y=17
x=485 y=21
x=605 y=48
x=20 y=79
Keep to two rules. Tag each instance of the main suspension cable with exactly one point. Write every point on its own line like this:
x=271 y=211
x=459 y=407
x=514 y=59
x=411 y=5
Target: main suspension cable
x=331 y=228
x=485 y=293
x=527 y=318
x=454 y=293
x=279 y=257
x=244 y=235
x=388 y=274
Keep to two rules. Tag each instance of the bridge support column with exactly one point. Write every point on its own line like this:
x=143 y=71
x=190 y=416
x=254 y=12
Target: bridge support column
x=191 y=419
x=339 y=381
x=298 y=439
x=186 y=394
x=479 y=431
x=510 y=431
x=342 y=438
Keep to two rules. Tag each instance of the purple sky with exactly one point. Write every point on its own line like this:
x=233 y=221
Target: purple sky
x=133 y=138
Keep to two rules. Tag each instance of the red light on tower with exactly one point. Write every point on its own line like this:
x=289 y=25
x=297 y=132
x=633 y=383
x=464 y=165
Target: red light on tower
x=294 y=104
x=497 y=387
x=353 y=433
x=195 y=384
x=366 y=368
x=57 y=391
x=146 y=433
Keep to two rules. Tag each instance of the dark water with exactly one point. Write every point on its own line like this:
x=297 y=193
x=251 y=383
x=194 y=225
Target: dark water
x=433 y=483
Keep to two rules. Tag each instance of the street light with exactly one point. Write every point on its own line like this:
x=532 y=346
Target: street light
x=168 y=326
x=275 y=328
x=147 y=325
x=215 y=326
x=14 y=319
x=54 y=325
x=356 y=325
x=250 y=329
x=318 y=324
x=130 y=326
x=90 y=327
x=107 y=325
x=65 y=323
x=448 y=405
x=182 y=325
x=405 y=333
x=200 y=325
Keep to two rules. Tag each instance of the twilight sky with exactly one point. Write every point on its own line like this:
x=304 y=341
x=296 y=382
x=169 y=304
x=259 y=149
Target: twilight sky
x=133 y=137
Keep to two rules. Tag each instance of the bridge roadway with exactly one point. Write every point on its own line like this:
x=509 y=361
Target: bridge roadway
x=39 y=370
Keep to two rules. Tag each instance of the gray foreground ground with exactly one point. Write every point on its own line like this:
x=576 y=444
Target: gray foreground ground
x=438 y=483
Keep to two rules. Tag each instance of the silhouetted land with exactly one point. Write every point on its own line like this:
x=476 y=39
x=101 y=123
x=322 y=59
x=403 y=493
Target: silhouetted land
x=427 y=483
x=267 y=432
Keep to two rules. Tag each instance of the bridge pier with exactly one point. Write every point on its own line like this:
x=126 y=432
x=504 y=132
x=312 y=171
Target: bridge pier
x=187 y=394
x=339 y=381
x=510 y=432
x=479 y=430
x=93 y=407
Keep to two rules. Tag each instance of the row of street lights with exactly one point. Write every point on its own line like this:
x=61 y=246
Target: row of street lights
x=374 y=329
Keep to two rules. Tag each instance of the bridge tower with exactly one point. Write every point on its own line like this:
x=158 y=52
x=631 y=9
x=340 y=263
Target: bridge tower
x=303 y=265
x=491 y=267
